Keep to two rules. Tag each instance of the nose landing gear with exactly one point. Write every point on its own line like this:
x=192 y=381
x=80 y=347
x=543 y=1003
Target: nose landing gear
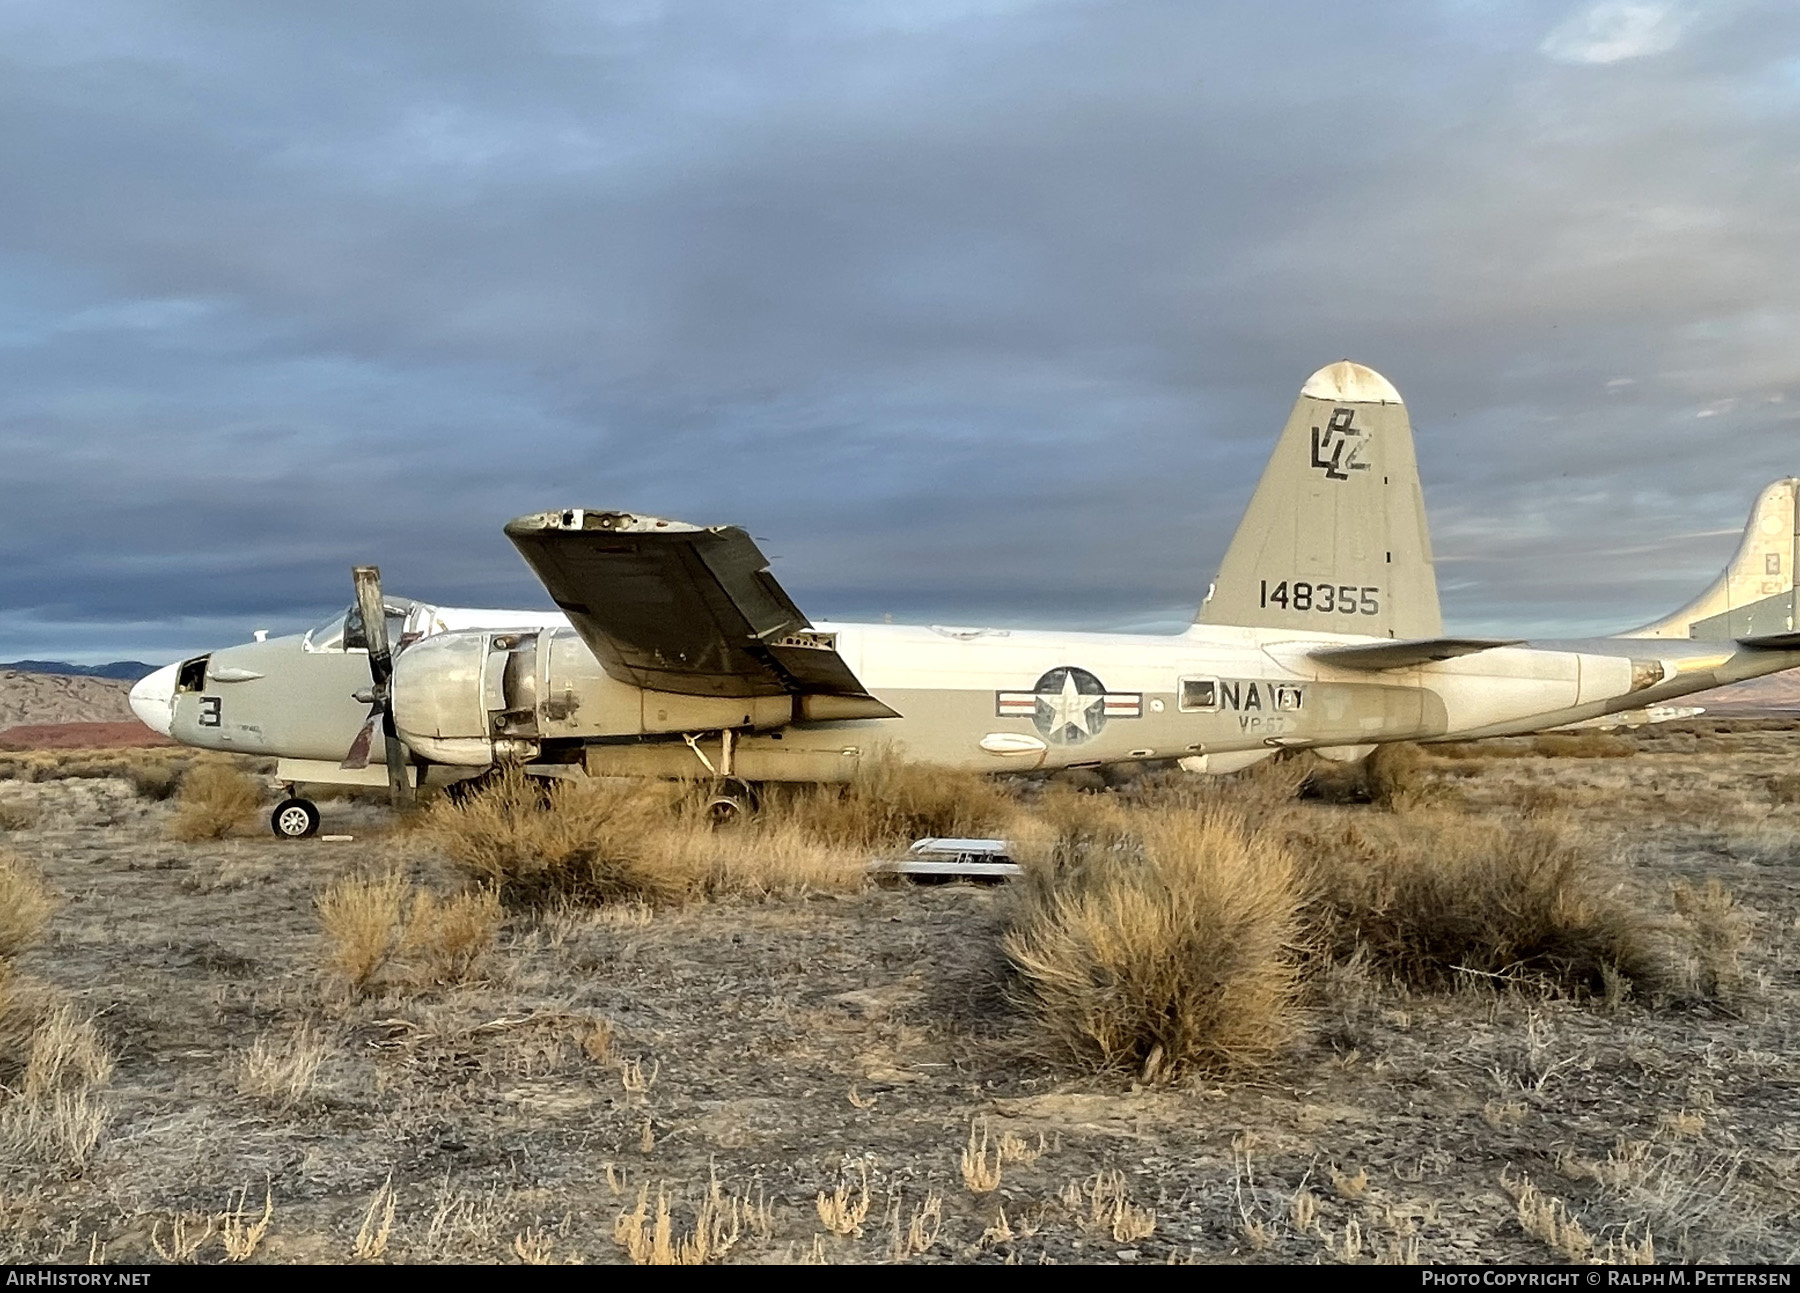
x=295 y=819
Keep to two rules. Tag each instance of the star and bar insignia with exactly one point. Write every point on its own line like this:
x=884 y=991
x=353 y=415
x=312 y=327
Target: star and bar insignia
x=1068 y=705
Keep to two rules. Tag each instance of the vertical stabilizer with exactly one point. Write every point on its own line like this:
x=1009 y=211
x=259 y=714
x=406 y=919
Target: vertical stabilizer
x=1754 y=597
x=1335 y=539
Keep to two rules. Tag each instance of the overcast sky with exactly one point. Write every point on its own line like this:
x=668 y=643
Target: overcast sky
x=974 y=310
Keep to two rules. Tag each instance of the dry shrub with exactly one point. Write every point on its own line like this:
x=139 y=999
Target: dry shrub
x=1260 y=792
x=154 y=771
x=361 y=919
x=154 y=780
x=1718 y=931
x=1583 y=745
x=55 y=1114
x=1784 y=788
x=892 y=802
x=621 y=840
x=536 y=841
x=25 y=906
x=768 y=857
x=214 y=798
x=17 y=816
x=1160 y=942
x=66 y=1055
x=446 y=938
x=378 y=923
x=1395 y=775
x=1399 y=776
x=1434 y=896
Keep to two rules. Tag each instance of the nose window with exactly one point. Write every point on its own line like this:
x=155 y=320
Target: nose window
x=192 y=675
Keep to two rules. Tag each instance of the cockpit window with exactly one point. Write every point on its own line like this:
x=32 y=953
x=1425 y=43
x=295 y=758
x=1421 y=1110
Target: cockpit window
x=344 y=631
x=328 y=636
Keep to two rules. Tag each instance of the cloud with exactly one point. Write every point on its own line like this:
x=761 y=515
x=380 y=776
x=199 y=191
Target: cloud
x=975 y=311
x=1616 y=30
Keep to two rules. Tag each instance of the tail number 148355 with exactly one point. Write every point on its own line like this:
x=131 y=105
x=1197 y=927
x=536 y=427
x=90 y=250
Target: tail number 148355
x=1341 y=599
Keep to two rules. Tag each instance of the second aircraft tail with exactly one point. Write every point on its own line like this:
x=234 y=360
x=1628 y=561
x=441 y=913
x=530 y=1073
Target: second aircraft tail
x=1754 y=596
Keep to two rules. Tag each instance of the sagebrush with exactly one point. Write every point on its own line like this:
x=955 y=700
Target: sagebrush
x=599 y=840
x=1159 y=942
x=1438 y=898
x=213 y=800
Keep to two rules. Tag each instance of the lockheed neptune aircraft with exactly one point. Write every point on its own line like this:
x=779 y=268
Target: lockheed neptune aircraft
x=676 y=654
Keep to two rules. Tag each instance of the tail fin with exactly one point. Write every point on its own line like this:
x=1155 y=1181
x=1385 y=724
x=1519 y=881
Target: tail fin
x=1335 y=538
x=1755 y=595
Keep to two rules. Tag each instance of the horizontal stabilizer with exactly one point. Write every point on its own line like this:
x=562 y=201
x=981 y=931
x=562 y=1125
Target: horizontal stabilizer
x=1772 y=642
x=1377 y=656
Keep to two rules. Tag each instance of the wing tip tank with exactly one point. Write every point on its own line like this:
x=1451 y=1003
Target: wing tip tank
x=1346 y=382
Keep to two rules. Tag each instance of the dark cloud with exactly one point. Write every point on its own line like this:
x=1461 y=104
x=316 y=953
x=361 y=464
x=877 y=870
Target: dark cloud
x=974 y=309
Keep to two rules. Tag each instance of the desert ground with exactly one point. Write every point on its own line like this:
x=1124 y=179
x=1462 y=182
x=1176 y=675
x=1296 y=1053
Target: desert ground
x=823 y=1070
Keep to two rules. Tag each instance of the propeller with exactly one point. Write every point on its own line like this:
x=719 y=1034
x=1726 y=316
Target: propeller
x=373 y=612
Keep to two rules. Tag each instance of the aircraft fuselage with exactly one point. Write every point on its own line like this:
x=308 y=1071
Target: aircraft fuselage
x=526 y=687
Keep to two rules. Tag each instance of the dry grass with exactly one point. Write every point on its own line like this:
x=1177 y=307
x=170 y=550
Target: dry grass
x=892 y=802
x=1718 y=932
x=374 y=923
x=361 y=919
x=980 y=1169
x=25 y=906
x=1261 y=792
x=619 y=840
x=214 y=800
x=1783 y=788
x=536 y=842
x=1583 y=745
x=648 y=1236
x=768 y=857
x=56 y=1114
x=1159 y=945
x=16 y=816
x=280 y=1068
x=153 y=771
x=844 y=1210
x=1433 y=898
x=241 y=1230
x=1399 y=776
x=446 y=939
x=1102 y=1203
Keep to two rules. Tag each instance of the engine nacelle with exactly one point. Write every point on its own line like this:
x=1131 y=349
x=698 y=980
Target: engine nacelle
x=457 y=697
x=476 y=696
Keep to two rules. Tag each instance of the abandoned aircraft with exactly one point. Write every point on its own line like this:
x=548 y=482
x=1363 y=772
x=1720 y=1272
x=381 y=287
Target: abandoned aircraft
x=676 y=654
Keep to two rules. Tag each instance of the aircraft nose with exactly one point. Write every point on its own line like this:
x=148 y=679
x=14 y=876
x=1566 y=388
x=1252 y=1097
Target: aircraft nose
x=153 y=699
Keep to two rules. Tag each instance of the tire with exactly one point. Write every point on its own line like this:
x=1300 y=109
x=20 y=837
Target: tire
x=727 y=810
x=295 y=819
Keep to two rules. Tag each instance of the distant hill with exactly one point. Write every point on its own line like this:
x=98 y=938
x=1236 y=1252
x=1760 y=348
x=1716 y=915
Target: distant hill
x=1775 y=691
x=123 y=670
x=36 y=698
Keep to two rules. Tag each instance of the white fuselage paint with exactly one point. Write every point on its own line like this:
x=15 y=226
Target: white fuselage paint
x=965 y=696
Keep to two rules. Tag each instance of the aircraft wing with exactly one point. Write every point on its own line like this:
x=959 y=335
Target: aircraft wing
x=1405 y=653
x=1773 y=642
x=683 y=608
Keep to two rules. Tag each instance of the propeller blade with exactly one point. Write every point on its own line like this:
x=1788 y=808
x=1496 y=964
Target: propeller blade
x=358 y=757
x=398 y=789
x=373 y=610
x=374 y=623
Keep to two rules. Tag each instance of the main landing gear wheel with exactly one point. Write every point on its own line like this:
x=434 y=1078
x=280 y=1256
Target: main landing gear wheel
x=295 y=819
x=733 y=803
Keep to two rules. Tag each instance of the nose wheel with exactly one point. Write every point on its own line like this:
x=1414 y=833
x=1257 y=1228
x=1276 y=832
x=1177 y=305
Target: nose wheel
x=295 y=819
